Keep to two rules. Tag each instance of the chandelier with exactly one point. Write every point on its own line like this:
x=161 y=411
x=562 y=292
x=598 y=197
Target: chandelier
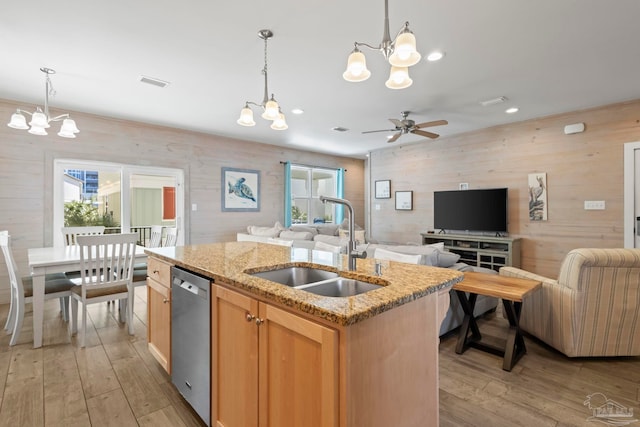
x=271 y=109
x=401 y=54
x=40 y=119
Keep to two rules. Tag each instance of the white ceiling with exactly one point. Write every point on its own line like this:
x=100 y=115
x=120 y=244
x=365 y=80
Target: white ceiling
x=545 y=56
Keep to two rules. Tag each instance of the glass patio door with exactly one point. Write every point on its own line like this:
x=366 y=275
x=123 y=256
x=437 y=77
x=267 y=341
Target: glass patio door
x=123 y=198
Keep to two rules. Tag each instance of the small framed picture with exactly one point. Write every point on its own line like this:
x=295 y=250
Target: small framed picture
x=240 y=190
x=383 y=189
x=404 y=200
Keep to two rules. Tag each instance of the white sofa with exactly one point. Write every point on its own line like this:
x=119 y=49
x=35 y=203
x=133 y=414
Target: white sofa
x=306 y=236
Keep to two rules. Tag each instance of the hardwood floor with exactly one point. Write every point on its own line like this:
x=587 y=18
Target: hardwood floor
x=545 y=388
x=115 y=381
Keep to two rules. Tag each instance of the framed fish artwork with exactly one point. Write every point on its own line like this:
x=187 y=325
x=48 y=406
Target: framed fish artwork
x=240 y=190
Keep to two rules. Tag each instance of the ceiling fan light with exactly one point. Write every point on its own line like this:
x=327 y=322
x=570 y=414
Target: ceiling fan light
x=356 y=68
x=399 y=78
x=271 y=110
x=18 y=121
x=246 y=117
x=404 y=52
x=279 y=123
x=37 y=130
x=39 y=119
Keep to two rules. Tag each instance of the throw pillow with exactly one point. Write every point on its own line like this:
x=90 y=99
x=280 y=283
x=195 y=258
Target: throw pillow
x=266 y=231
x=309 y=229
x=429 y=253
x=359 y=235
x=296 y=235
x=447 y=259
x=396 y=256
x=327 y=229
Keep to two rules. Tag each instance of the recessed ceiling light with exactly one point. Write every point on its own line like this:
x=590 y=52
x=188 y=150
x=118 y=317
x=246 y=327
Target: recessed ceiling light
x=339 y=129
x=297 y=111
x=511 y=110
x=435 y=56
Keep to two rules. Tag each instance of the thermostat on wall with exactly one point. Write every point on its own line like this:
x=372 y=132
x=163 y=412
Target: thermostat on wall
x=574 y=128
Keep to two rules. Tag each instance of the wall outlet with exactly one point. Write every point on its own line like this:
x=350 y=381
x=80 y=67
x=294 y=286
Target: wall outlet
x=594 y=205
x=463 y=186
x=377 y=207
x=194 y=207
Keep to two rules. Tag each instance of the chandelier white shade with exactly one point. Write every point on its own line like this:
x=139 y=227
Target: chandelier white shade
x=40 y=119
x=401 y=54
x=271 y=108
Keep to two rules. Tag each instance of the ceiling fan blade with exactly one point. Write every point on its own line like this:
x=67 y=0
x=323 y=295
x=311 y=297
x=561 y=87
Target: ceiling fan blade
x=425 y=133
x=397 y=122
x=394 y=137
x=433 y=123
x=381 y=130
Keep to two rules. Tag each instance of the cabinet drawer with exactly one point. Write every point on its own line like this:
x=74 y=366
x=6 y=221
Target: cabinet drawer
x=159 y=271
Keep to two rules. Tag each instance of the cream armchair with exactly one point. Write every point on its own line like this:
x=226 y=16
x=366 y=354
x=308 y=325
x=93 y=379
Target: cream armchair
x=593 y=309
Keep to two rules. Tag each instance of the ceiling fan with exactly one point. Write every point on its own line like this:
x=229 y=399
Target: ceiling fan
x=409 y=126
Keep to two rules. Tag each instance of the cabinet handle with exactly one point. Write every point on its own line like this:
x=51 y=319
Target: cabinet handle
x=249 y=317
x=165 y=300
x=259 y=321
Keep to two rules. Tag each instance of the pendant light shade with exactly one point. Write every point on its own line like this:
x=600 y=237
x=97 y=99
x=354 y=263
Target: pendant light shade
x=246 y=117
x=356 y=67
x=405 y=53
x=40 y=119
x=18 y=121
x=399 y=78
x=271 y=110
x=279 y=123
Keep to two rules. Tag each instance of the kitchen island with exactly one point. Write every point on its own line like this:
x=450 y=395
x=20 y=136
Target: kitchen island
x=282 y=356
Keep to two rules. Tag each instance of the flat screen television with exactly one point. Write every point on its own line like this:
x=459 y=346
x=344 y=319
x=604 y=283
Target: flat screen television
x=471 y=210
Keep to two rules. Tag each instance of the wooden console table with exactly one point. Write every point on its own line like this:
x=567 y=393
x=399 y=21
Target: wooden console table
x=511 y=290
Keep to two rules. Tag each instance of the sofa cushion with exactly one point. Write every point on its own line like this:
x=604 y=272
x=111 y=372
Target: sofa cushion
x=296 y=235
x=307 y=228
x=385 y=254
x=447 y=259
x=332 y=240
x=266 y=231
x=429 y=253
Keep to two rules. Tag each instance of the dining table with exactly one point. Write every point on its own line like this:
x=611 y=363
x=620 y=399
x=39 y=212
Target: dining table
x=56 y=259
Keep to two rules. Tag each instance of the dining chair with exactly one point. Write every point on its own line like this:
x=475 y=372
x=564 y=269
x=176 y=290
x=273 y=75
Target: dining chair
x=155 y=241
x=171 y=236
x=70 y=234
x=55 y=286
x=105 y=275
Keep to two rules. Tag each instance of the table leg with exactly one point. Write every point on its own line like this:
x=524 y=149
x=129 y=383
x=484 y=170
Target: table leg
x=515 y=347
x=38 y=310
x=468 y=323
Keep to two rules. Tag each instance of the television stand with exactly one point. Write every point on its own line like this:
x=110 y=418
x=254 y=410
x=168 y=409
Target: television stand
x=479 y=251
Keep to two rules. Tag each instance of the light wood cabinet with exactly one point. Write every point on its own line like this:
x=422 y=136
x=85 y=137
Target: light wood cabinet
x=271 y=367
x=159 y=311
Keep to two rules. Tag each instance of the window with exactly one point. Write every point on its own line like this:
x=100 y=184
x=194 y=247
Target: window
x=123 y=198
x=306 y=185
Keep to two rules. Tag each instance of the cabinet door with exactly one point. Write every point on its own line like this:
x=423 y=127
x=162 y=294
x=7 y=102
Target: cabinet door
x=159 y=322
x=298 y=371
x=234 y=359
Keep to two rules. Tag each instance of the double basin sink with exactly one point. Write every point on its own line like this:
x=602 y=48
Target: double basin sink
x=317 y=281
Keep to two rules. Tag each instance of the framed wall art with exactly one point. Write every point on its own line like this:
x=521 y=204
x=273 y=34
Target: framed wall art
x=404 y=200
x=538 y=208
x=383 y=189
x=240 y=190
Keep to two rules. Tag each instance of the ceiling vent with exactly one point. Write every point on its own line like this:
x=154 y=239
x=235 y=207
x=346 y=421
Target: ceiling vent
x=494 y=101
x=153 y=82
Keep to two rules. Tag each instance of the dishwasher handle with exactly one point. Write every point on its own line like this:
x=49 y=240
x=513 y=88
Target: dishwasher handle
x=190 y=287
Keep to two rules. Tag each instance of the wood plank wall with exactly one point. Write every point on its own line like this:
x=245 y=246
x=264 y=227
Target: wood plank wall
x=26 y=170
x=579 y=167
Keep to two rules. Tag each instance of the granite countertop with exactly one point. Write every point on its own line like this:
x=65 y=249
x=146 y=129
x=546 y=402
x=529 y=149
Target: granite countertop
x=228 y=262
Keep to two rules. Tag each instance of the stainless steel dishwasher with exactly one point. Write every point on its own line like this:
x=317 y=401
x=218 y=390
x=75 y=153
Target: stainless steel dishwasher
x=190 y=339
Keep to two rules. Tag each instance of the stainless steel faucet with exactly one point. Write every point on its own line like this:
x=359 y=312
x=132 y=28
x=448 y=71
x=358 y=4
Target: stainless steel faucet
x=352 y=252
